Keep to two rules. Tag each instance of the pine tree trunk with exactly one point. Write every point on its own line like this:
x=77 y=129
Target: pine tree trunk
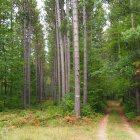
x=68 y=46
x=61 y=49
x=27 y=32
x=58 y=57
x=85 y=54
x=24 y=55
x=132 y=14
x=76 y=57
x=66 y=63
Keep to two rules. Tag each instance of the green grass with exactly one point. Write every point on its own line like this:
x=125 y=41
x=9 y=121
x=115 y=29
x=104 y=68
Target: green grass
x=50 y=133
x=115 y=128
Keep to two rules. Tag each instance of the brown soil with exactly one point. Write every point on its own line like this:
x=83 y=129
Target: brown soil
x=102 y=135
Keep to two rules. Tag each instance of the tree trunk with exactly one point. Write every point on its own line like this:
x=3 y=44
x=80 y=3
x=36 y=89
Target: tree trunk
x=61 y=49
x=66 y=63
x=27 y=32
x=76 y=57
x=132 y=14
x=58 y=57
x=68 y=46
x=24 y=54
x=85 y=54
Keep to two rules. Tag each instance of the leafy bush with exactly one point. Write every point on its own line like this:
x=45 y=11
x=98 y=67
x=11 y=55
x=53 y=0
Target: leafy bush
x=86 y=110
x=130 y=108
x=131 y=114
x=97 y=100
x=68 y=103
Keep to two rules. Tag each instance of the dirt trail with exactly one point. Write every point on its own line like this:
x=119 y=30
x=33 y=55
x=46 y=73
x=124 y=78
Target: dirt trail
x=125 y=123
x=128 y=128
x=102 y=135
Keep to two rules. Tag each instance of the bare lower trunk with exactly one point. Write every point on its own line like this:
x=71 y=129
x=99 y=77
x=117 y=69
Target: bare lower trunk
x=85 y=54
x=66 y=63
x=61 y=49
x=68 y=46
x=58 y=62
x=76 y=57
x=132 y=14
x=27 y=32
x=24 y=56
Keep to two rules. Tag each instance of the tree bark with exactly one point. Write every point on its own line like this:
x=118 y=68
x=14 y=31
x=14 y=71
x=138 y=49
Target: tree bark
x=76 y=57
x=24 y=54
x=58 y=57
x=27 y=32
x=85 y=54
x=132 y=14
x=61 y=49
x=68 y=46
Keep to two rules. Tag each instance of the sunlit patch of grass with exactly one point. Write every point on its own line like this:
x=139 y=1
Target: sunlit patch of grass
x=115 y=128
x=51 y=133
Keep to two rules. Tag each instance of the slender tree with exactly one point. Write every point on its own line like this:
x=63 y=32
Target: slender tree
x=132 y=14
x=68 y=45
x=85 y=54
x=27 y=32
x=76 y=57
x=61 y=48
x=58 y=55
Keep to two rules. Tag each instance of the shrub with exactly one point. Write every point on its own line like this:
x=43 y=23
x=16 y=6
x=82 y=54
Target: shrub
x=68 y=104
x=131 y=114
x=97 y=100
x=86 y=110
x=130 y=108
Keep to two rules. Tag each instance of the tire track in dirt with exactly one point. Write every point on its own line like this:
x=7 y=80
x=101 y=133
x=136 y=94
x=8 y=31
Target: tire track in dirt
x=128 y=128
x=102 y=134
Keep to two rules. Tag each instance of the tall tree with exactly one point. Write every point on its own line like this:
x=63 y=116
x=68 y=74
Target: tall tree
x=85 y=52
x=58 y=55
x=27 y=33
x=61 y=47
x=76 y=57
x=68 y=45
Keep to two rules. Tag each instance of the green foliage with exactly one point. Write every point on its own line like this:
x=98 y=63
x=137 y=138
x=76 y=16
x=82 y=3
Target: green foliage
x=68 y=104
x=86 y=110
x=97 y=100
x=130 y=108
x=131 y=115
x=131 y=34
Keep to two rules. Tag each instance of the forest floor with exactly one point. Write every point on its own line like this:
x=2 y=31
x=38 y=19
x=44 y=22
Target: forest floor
x=113 y=126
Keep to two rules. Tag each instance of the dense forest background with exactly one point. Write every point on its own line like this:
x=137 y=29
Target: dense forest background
x=88 y=51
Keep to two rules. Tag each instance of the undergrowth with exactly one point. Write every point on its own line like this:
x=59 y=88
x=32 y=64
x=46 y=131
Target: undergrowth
x=51 y=115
